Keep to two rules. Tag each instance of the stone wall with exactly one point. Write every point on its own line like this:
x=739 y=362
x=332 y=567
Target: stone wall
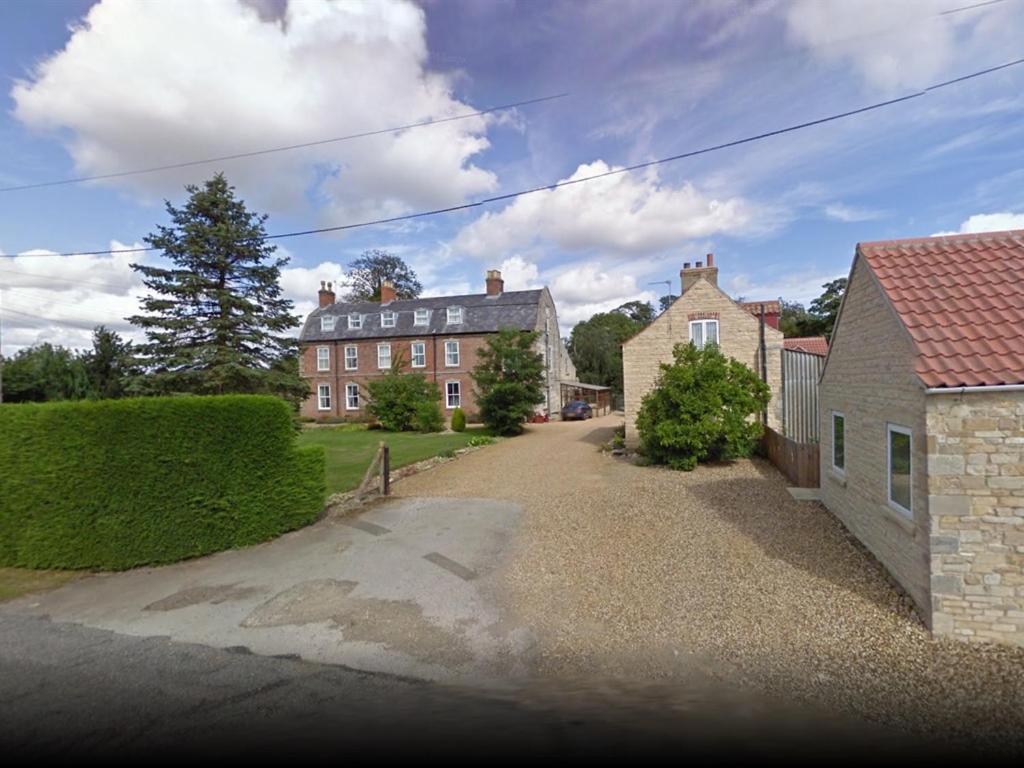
x=976 y=498
x=870 y=379
x=739 y=338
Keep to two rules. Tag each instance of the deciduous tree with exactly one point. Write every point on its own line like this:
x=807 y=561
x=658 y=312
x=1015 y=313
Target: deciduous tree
x=374 y=267
x=509 y=380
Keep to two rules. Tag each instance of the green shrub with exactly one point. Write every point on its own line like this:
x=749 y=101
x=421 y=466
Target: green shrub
x=458 y=420
x=399 y=400
x=113 y=484
x=509 y=379
x=477 y=440
x=703 y=408
x=428 y=418
x=447 y=454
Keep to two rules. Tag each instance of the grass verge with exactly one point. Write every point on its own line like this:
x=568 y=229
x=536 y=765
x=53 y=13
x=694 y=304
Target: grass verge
x=15 y=582
x=348 y=452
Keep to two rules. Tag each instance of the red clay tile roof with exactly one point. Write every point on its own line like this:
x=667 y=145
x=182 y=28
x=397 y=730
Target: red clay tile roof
x=815 y=345
x=754 y=307
x=962 y=299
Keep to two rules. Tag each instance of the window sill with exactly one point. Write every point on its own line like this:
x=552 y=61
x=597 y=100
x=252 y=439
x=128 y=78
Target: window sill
x=900 y=518
x=836 y=478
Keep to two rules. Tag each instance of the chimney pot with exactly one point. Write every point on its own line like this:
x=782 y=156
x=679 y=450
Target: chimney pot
x=387 y=292
x=711 y=259
x=686 y=265
x=495 y=285
x=698 y=264
x=326 y=294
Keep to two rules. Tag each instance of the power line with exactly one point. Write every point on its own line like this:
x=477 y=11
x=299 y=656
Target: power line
x=289 y=147
x=71 y=280
x=593 y=177
x=969 y=7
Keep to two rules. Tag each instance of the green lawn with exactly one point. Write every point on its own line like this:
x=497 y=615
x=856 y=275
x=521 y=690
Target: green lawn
x=348 y=452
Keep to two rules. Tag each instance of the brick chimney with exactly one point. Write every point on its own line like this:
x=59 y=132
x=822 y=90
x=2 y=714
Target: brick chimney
x=495 y=285
x=387 y=292
x=690 y=275
x=326 y=294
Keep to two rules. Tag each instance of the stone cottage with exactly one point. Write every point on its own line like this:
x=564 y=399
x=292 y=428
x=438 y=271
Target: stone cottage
x=702 y=314
x=922 y=425
x=344 y=345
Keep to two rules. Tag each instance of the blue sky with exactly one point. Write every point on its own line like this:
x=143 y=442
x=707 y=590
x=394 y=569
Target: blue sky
x=93 y=88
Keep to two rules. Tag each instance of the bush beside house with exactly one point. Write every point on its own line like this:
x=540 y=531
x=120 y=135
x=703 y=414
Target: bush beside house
x=702 y=408
x=117 y=484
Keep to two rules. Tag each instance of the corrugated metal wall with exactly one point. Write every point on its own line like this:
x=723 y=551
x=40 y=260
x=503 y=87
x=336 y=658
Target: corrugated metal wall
x=800 y=373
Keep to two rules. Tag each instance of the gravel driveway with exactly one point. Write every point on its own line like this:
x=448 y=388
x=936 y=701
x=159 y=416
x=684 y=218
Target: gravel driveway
x=639 y=573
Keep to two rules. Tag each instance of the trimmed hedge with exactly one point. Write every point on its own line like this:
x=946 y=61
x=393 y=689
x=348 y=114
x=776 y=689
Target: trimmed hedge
x=114 y=484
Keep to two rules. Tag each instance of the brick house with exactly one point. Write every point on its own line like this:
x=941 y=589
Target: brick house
x=922 y=421
x=345 y=345
x=704 y=313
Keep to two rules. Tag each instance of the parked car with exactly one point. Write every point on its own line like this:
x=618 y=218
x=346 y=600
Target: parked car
x=577 y=409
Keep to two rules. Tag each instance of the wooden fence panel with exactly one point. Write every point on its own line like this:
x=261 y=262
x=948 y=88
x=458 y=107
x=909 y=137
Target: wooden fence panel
x=797 y=461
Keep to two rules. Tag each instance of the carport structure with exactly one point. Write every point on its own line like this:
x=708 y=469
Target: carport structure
x=597 y=396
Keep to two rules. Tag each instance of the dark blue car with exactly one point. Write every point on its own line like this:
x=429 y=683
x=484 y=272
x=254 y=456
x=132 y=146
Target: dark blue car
x=577 y=409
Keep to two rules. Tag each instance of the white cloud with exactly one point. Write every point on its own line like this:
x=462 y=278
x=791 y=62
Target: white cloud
x=520 y=274
x=899 y=45
x=851 y=213
x=627 y=213
x=988 y=222
x=793 y=285
x=121 y=96
x=61 y=299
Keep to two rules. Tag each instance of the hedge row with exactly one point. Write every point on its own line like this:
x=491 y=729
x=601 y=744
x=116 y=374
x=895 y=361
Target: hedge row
x=119 y=483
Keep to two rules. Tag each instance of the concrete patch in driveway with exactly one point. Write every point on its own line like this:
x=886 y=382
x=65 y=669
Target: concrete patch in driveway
x=360 y=591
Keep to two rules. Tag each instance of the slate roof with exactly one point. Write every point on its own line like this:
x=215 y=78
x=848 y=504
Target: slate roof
x=480 y=314
x=815 y=345
x=961 y=298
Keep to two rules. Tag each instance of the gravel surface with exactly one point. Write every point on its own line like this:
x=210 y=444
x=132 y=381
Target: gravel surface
x=642 y=573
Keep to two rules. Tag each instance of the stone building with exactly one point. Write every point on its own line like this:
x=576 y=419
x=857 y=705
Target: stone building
x=704 y=313
x=345 y=345
x=922 y=425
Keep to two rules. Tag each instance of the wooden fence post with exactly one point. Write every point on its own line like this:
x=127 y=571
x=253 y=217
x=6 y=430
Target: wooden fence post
x=385 y=474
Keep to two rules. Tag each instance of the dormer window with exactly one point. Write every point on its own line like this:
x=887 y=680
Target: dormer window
x=454 y=315
x=422 y=317
x=327 y=323
x=355 y=321
x=387 y=319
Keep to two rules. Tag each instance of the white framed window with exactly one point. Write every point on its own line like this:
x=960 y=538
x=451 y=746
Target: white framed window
x=451 y=353
x=453 y=394
x=419 y=354
x=355 y=321
x=703 y=332
x=327 y=322
x=422 y=317
x=838 y=442
x=899 y=467
x=323 y=358
x=455 y=315
x=383 y=355
x=351 y=358
x=387 y=319
x=323 y=397
x=352 y=397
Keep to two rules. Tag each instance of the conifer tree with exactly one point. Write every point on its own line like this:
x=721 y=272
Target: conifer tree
x=216 y=321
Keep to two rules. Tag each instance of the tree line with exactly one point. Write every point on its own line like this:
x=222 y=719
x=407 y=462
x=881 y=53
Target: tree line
x=215 y=320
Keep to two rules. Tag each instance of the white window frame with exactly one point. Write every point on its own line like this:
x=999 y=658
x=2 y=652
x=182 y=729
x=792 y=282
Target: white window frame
x=458 y=354
x=381 y=348
x=388 y=319
x=835 y=467
x=323 y=358
x=704 y=323
x=448 y=395
x=456 y=313
x=890 y=429
x=412 y=354
x=355 y=357
x=424 y=314
x=348 y=397
x=355 y=321
x=320 y=390
x=327 y=322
